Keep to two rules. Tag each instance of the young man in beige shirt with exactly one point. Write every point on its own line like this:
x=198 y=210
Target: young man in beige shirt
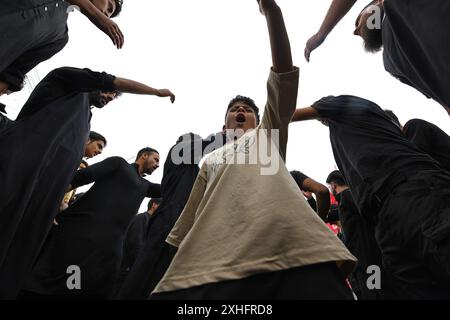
x=246 y=232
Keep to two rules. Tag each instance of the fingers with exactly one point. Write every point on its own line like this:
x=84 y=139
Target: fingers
x=172 y=98
x=307 y=53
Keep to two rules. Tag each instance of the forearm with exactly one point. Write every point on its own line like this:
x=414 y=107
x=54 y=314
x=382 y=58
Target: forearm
x=86 y=8
x=279 y=40
x=338 y=9
x=130 y=86
x=304 y=114
x=323 y=203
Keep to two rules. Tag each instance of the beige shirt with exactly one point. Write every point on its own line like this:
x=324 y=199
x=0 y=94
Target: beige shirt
x=245 y=219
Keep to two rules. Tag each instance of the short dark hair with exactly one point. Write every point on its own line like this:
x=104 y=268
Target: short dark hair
x=94 y=136
x=118 y=10
x=248 y=101
x=392 y=117
x=145 y=151
x=152 y=201
x=337 y=177
x=373 y=38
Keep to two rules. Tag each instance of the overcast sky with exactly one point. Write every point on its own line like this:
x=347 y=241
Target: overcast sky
x=206 y=52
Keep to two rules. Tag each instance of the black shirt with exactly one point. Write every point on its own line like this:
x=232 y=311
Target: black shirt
x=90 y=233
x=51 y=130
x=417 y=46
x=430 y=139
x=32 y=31
x=368 y=148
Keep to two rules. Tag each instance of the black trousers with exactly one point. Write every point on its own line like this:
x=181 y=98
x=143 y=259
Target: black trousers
x=314 y=282
x=413 y=232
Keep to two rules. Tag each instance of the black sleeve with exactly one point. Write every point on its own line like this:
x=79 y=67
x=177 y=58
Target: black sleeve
x=97 y=171
x=70 y=80
x=312 y=202
x=15 y=73
x=299 y=178
x=332 y=107
x=64 y=81
x=154 y=190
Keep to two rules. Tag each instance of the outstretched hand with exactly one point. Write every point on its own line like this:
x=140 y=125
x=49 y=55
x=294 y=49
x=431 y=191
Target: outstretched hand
x=110 y=28
x=313 y=43
x=166 y=93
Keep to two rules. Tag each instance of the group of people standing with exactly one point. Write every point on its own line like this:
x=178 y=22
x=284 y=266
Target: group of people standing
x=234 y=228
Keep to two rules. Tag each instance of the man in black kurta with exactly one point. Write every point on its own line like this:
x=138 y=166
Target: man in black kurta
x=32 y=31
x=135 y=238
x=39 y=155
x=359 y=238
x=180 y=171
x=430 y=139
x=51 y=130
x=396 y=185
x=417 y=47
x=90 y=233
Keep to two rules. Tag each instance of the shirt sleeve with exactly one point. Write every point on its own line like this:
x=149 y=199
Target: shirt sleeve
x=299 y=178
x=97 y=171
x=187 y=217
x=154 y=190
x=332 y=107
x=417 y=133
x=282 y=89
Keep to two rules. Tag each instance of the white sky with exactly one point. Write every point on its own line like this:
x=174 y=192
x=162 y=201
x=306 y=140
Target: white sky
x=206 y=52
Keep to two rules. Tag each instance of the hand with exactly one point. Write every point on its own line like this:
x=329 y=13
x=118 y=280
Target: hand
x=110 y=28
x=266 y=5
x=166 y=93
x=313 y=43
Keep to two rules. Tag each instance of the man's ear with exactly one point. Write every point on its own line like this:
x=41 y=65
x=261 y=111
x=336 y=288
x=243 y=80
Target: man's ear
x=224 y=129
x=88 y=141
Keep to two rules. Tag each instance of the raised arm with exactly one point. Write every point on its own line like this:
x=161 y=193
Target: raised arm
x=101 y=20
x=279 y=40
x=304 y=114
x=337 y=10
x=131 y=86
x=96 y=171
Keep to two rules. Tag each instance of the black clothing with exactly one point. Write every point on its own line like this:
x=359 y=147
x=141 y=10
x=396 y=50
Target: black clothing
x=359 y=238
x=414 y=235
x=134 y=239
x=32 y=31
x=176 y=186
x=313 y=282
x=430 y=139
x=404 y=190
x=39 y=155
x=417 y=47
x=369 y=149
x=90 y=233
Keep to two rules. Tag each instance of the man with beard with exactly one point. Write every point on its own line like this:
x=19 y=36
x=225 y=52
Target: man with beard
x=180 y=171
x=51 y=130
x=416 y=55
x=396 y=185
x=34 y=31
x=234 y=240
x=90 y=233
